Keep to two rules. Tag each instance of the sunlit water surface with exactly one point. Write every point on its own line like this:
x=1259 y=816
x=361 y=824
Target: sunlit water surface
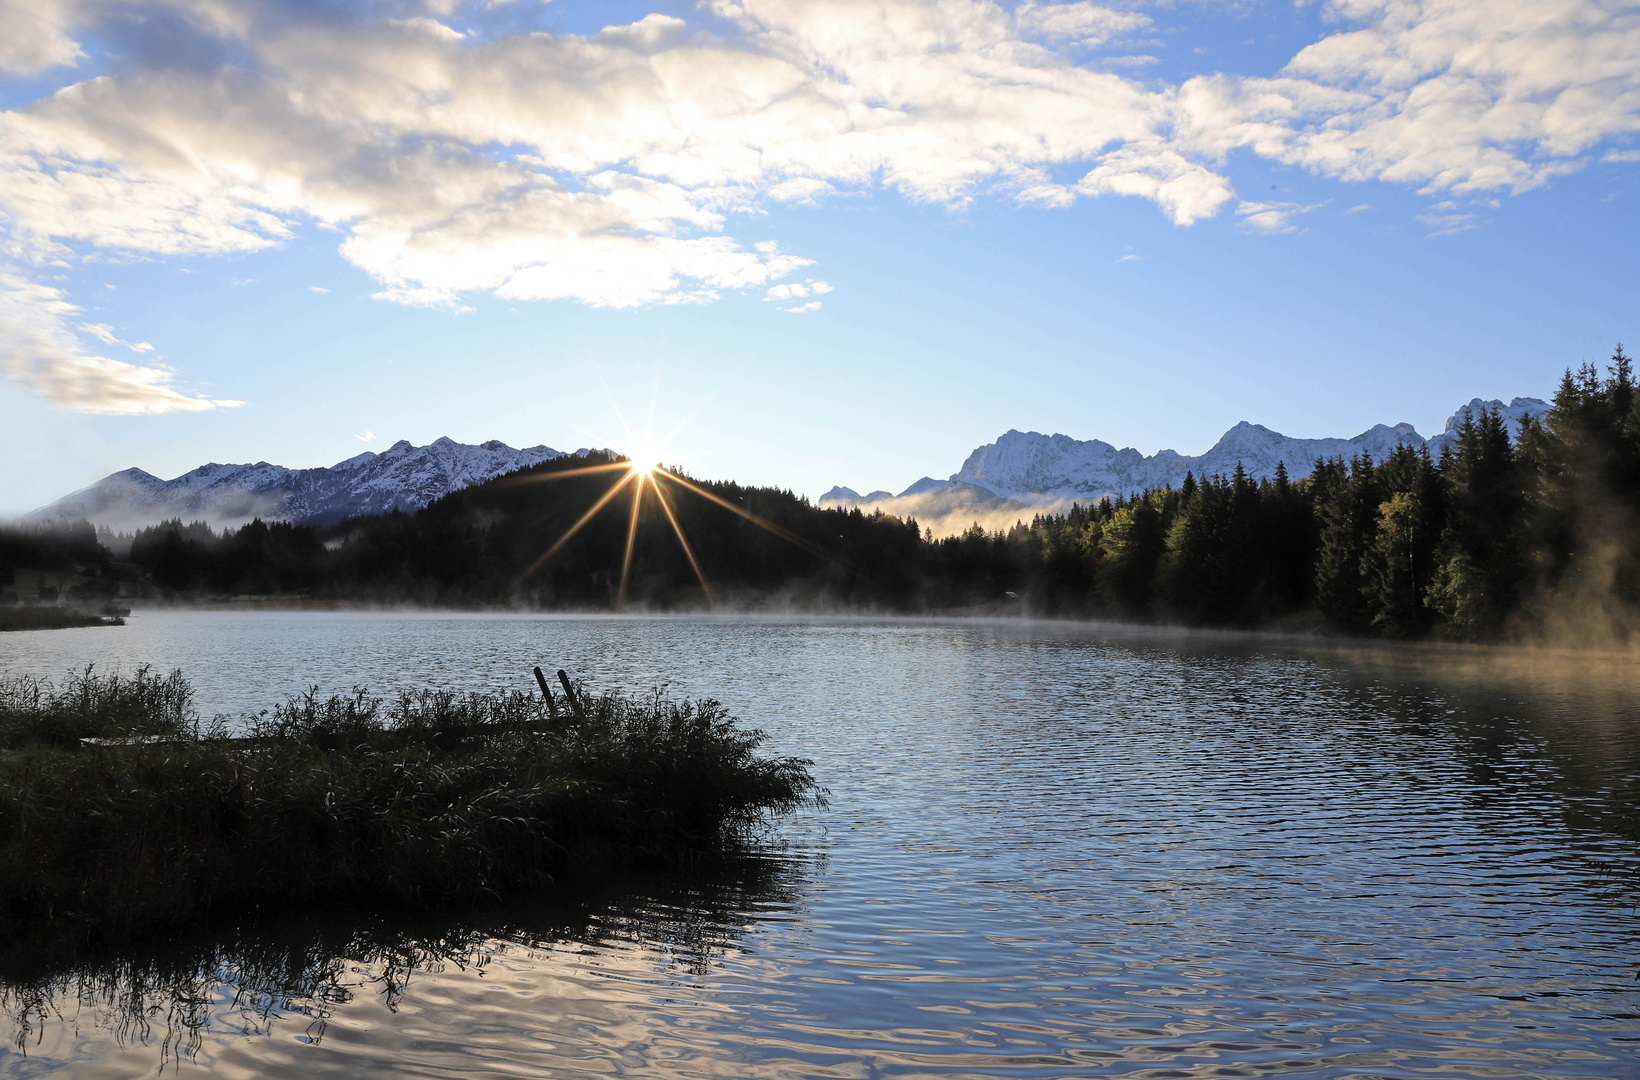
x=1051 y=850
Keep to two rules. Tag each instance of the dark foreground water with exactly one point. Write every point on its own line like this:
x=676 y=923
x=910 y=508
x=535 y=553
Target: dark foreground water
x=1051 y=851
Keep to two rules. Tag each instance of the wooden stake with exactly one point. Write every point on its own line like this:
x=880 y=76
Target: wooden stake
x=546 y=692
x=569 y=692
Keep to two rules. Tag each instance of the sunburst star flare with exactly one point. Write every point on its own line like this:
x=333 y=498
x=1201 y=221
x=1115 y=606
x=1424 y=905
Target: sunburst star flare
x=641 y=473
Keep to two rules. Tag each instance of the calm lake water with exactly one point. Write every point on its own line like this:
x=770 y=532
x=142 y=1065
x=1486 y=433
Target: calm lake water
x=1051 y=850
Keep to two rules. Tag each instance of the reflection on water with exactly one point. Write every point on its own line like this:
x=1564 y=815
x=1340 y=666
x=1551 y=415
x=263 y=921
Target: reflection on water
x=1051 y=850
x=294 y=974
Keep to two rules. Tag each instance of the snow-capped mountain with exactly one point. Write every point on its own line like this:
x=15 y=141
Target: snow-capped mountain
x=1030 y=470
x=402 y=477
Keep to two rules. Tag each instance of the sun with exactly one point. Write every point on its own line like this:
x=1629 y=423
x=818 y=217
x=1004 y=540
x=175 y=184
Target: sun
x=643 y=470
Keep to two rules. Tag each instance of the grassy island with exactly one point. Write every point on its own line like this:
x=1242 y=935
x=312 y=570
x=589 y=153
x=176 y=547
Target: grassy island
x=122 y=814
x=52 y=618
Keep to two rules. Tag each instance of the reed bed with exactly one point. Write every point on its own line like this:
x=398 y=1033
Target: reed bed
x=429 y=800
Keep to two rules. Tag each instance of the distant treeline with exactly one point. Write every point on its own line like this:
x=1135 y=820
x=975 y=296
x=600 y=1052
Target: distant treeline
x=1539 y=535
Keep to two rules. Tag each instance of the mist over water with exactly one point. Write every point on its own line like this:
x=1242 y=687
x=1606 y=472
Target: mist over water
x=1051 y=850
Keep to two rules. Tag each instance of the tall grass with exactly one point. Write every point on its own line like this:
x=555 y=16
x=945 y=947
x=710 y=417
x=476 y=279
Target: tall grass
x=34 y=712
x=431 y=800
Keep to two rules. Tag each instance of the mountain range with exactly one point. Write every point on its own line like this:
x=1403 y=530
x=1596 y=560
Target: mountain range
x=1026 y=472
x=1021 y=474
x=402 y=477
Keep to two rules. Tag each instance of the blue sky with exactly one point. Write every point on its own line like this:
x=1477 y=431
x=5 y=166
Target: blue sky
x=335 y=226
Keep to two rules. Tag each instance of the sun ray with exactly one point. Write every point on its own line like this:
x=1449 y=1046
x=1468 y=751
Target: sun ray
x=642 y=466
x=575 y=528
x=753 y=518
x=666 y=440
x=649 y=422
x=640 y=476
x=619 y=416
x=563 y=474
x=700 y=575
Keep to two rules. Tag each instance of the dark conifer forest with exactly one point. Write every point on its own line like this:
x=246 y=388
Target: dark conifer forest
x=1531 y=536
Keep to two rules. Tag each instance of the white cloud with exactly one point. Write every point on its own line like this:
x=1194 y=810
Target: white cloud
x=1447 y=217
x=801 y=189
x=37 y=36
x=803 y=309
x=105 y=334
x=1458 y=95
x=317 y=289
x=607 y=170
x=1083 y=24
x=40 y=352
x=649 y=34
x=368 y=436
x=1188 y=192
x=794 y=289
x=1272 y=217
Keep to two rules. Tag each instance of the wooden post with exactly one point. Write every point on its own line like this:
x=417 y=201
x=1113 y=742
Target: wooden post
x=546 y=692
x=569 y=692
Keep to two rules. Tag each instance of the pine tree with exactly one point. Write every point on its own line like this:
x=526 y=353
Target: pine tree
x=1348 y=513
x=1288 y=541
x=1400 y=562
x=1195 y=578
x=1481 y=561
x=1133 y=541
x=1582 y=491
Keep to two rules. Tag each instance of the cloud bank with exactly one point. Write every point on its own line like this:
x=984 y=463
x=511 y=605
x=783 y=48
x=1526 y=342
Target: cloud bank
x=607 y=168
x=39 y=352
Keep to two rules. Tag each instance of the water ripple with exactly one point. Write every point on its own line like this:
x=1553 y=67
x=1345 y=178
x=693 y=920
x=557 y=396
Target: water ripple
x=1052 y=850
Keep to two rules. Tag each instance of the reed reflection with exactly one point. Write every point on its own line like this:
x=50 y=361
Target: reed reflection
x=258 y=977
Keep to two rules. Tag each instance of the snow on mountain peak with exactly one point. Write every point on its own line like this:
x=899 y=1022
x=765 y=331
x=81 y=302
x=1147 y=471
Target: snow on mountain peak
x=402 y=477
x=1034 y=469
x=1512 y=414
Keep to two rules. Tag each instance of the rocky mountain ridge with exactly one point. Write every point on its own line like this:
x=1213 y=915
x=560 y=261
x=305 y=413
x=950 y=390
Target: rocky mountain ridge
x=402 y=477
x=1026 y=471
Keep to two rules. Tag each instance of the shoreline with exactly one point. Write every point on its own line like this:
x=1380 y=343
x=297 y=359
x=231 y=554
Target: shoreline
x=15 y=619
x=1512 y=655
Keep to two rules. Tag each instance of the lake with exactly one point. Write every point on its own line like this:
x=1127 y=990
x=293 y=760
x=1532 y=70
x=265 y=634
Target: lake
x=1051 y=850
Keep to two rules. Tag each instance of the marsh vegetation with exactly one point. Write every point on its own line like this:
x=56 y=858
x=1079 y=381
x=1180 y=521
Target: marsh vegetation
x=123 y=813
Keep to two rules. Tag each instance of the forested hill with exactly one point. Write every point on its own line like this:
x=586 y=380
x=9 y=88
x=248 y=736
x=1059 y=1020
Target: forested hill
x=484 y=545
x=1494 y=538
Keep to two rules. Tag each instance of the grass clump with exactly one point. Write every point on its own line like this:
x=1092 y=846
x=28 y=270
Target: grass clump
x=37 y=713
x=431 y=800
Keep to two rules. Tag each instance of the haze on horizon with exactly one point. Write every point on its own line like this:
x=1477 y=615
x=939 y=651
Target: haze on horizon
x=828 y=241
